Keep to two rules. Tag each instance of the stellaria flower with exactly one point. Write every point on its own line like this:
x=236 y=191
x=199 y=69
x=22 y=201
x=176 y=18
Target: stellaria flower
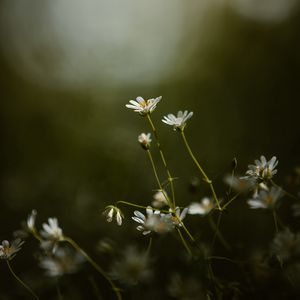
x=178 y=216
x=159 y=199
x=202 y=208
x=133 y=267
x=64 y=261
x=145 y=140
x=266 y=199
x=31 y=221
x=142 y=106
x=240 y=185
x=112 y=212
x=286 y=245
x=178 y=122
x=263 y=169
x=154 y=221
x=8 y=251
x=52 y=231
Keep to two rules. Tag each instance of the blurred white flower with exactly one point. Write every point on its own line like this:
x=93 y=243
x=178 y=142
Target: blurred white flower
x=286 y=245
x=64 y=261
x=8 y=251
x=145 y=140
x=52 y=231
x=159 y=199
x=132 y=267
x=202 y=208
x=240 y=185
x=142 y=106
x=154 y=221
x=112 y=212
x=31 y=220
x=179 y=216
x=178 y=122
x=263 y=169
x=266 y=199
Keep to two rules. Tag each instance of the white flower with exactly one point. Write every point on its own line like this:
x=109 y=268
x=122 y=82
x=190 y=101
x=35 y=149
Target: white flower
x=178 y=122
x=142 y=106
x=266 y=199
x=263 y=169
x=145 y=140
x=240 y=185
x=112 y=212
x=286 y=245
x=132 y=267
x=154 y=221
x=31 y=220
x=178 y=216
x=52 y=231
x=8 y=251
x=62 y=262
x=159 y=199
x=202 y=208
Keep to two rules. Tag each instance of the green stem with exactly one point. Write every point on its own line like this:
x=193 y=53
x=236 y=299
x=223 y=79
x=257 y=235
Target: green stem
x=217 y=233
x=275 y=220
x=287 y=193
x=140 y=206
x=184 y=243
x=149 y=246
x=229 y=201
x=157 y=178
x=130 y=204
x=170 y=178
x=21 y=282
x=186 y=230
x=95 y=265
x=206 y=179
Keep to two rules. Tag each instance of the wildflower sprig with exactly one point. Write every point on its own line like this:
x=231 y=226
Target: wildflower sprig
x=52 y=235
x=7 y=252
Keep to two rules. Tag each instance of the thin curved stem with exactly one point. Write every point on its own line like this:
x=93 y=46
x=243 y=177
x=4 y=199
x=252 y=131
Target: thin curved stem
x=130 y=204
x=21 y=282
x=275 y=220
x=96 y=266
x=186 y=230
x=140 y=206
x=205 y=177
x=287 y=193
x=149 y=246
x=217 y=233
x=157 y=178
x=229 y=201
x=184 y=243
x=170 y=178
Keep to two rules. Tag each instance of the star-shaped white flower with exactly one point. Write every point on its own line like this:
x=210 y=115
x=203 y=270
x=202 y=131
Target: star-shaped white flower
x=142 y=106
x=263 y=169
x=153 y=221
x=178 y=122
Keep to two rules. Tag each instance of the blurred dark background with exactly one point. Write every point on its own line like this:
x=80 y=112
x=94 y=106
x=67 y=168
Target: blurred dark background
x=68 y=144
